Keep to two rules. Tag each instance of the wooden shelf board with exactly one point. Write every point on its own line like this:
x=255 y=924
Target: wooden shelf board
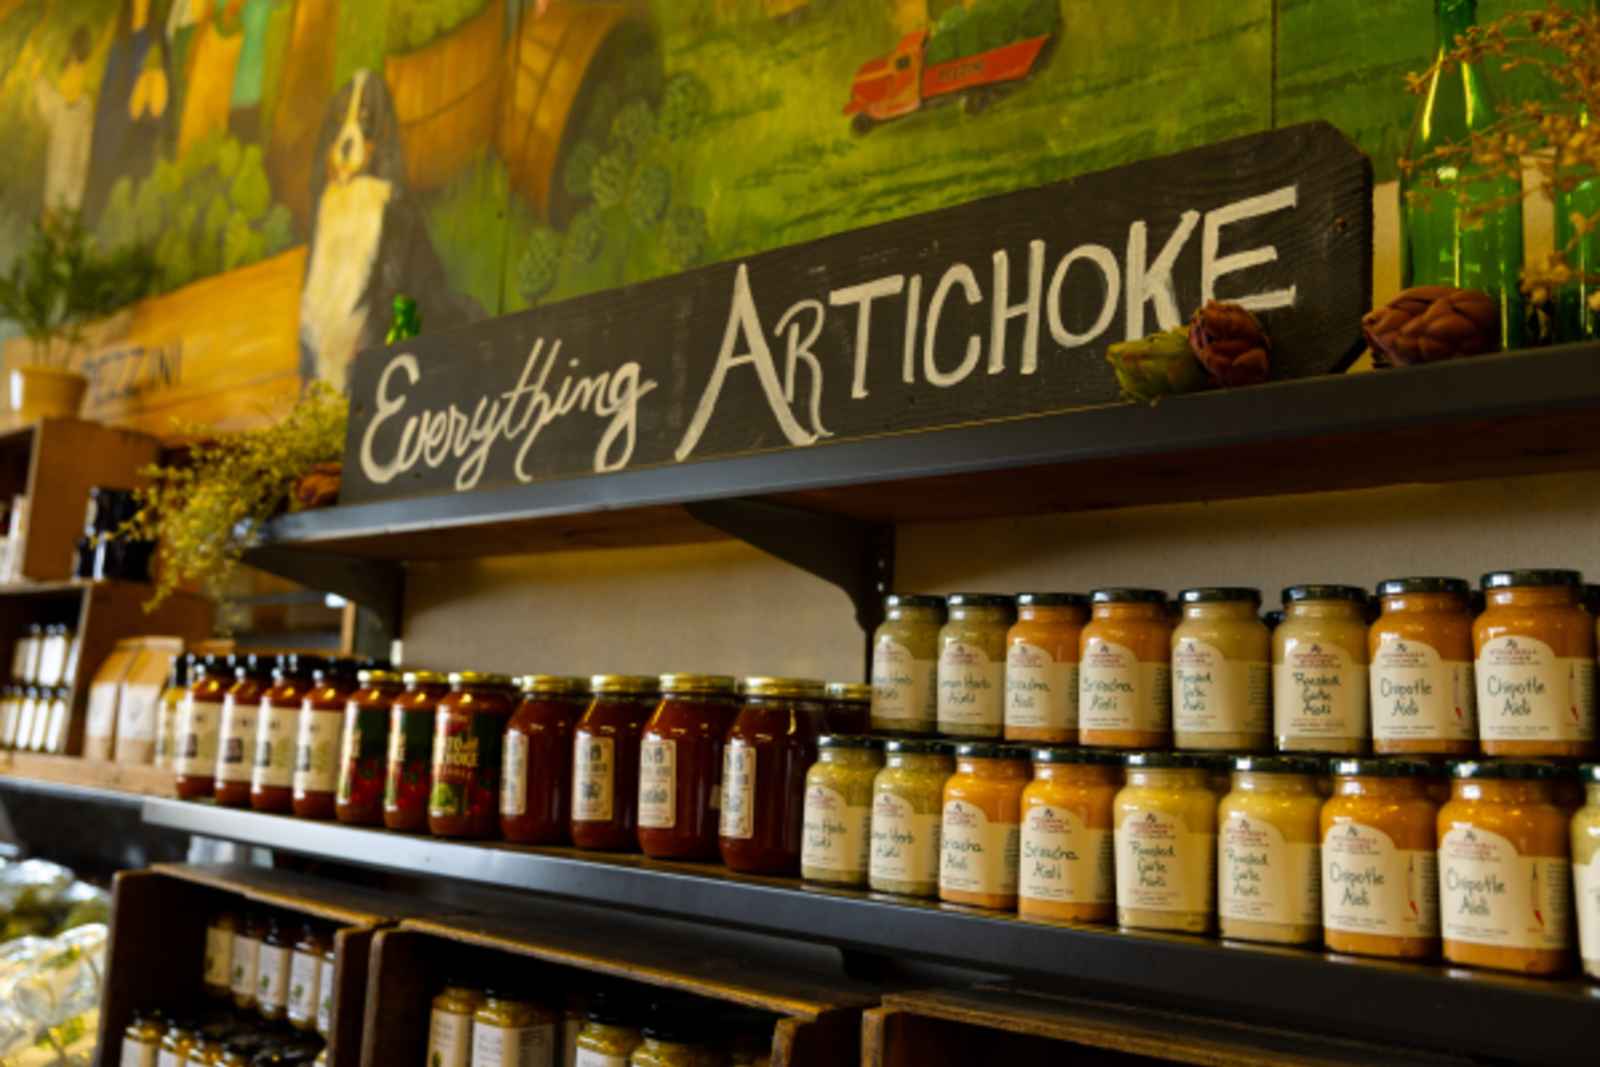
x=125 y=781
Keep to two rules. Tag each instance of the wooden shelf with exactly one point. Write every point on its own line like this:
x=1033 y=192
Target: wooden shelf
x=74 y=776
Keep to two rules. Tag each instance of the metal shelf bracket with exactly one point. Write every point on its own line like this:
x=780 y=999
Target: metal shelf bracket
x=378 y=587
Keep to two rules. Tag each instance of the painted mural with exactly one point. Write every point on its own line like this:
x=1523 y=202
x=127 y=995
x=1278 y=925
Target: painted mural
x=296 y=163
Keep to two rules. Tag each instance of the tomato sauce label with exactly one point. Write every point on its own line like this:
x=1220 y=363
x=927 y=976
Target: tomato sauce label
x=1370 y=886
x=738 y=791
x=466 y=765
x=1492 y=895
x=594 y=773
x=514 y=775
x=1528 y=693
x=410 y=769
x=362 y=755
x=658 y=783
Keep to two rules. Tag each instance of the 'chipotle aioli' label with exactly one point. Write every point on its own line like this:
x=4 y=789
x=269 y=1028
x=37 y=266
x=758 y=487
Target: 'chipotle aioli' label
x=1041 y=693
x=1161 y=866
x=514 y=774
x=593 y=777
x=1262 y=878
x=1116 y=691
x=658 y=783
x=1528 y=693
x=274 y=756
x=1319 y=693
x=1370 y=886
x=837 y=834
x=513 y=1046
x=905 y=844
x=236 y=741
x=449 y=1039
x=903 y=687
x=1492 y=895
x=977 y=855
x=1212 y=694
x=971 y=687
x=1586 y=882
x=195 y=737
x=1419 y=696
x=738 y=790
x=1064 y=861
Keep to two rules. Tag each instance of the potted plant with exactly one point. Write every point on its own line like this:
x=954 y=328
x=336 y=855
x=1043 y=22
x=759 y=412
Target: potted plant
x=59 y=285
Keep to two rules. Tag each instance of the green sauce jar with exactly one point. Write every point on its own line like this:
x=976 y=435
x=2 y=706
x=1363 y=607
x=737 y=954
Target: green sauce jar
x=907 y=814
x=837 y=826
x=905 y=664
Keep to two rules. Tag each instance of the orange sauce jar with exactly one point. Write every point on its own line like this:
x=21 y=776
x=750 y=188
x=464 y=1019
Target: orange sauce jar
x=1423 y=697
x=1042 y=668
x=1065 y=868
x=1504 y=871
x=981 y=831
x=1535 y=665
x=1124 y=670
x=194 y=745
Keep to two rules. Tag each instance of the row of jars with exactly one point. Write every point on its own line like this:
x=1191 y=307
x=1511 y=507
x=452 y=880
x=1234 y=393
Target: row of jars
x=45 y=655
x=215 y=1039
x=1387 y=864
x=1114 y=669
x=35 y=718
x=276 y=965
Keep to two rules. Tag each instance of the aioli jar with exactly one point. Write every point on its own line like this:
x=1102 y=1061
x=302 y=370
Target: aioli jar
x=607 y=1035
x=1066 y=867
x=318 y=739
x=972 y=665
x=907 y=812
x=905 y=664
x=218 y=973
x=980 y=835
x=605 y=762
x=837 y=824
x=167 y=710
x=1586 y=871
x=512 y=1033
x=1506 y=894
x=246 y=950
x=141 y=1042
x=305 y=977
x=236 y=735
x=536 y=779
x=272 y=776
x=363 y=748
x=1166 y=844
x=1423 y=697
x=1319 y=668
x=1269 y=865
x=272 y=973
x=1124 y=670
x=671 y=1042
x=1042 y=667
x=849 y=708
x=1535 y=665
x=769 y=749
x=680 y=766
x=469 y=734
x=408 y=778
x=1221 y=672
x=1380 y=861
x=194 y=756
x=450 y=1026
x=176 y=1044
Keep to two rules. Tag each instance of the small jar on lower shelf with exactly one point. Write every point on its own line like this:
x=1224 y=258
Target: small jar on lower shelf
x=907 y=805
x=980 y=837
x=1166 y=844
x=838 y=810
x=1269 y=874
x=450 y=1025
x=508 y=1032
x=1586 y=871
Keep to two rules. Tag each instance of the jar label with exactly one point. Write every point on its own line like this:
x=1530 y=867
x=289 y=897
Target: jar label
x=316 y=752
x=738 y=791
x=274 y=763
x=304 y=970
x=272 y=981
x=1263 y=878
x=1041 y=694
x=1118 y=692
x=410 y=770
x=169 y=1059
x=593 y=778
x=219 y=957
x=325 y=992
x=589 y=1058
x=514 y=775
x=136 y=1053
x=236 y=742
x=244 y=966
x=1419 y=696
x=1586 y=880
x=1319 y=693
x=902 y=685
x=837 y=834
x=1212 y=694
x=513 y=1046
x=1369 y=886
x=1161 y=866
x=971 y=687
x=977 y=855
x=658 y=783
x=1528 y=693
x=905 y=843
x=1495 y=896
x=365 y=747
x=1063 y=860
x=449 y=1039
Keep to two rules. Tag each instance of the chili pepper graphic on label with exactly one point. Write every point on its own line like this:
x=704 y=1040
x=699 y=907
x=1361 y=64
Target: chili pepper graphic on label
x=1411 y=886
x=1537 y=913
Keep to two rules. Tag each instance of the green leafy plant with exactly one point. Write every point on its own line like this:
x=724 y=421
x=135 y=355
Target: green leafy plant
x=540 y=264
x=61 y=283
x=414 y=23
x=685 y=103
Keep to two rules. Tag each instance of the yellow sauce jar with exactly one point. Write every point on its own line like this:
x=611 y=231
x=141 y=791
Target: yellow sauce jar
x=1269 y=868
x=1586 y=871
x=905 y=664
x=1125 y=670
x=1221 y=672
x=608 y=1037
x=176 y=1044
x=1042 y=668
x=836 y=829
x=450 y=1026
x=1505 y=894
x=1319 y=670
x=1166 y=844
x=219 y=955
x=980 y=833
x=1535 y=665
x=141 y=1041
x=1423 y=697
x=907 y=810
x=671 y=1040
x=509 y=1033
x=1065 y=868
x=972 y=665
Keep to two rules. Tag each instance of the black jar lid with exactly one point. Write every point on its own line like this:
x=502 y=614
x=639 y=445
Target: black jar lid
x=852 y=741
x=248 y=664
x=1324 y=592
x=1121 y=594
x=1096 y=757
x=299 y=664
x=917 y=746
x=913 y=600
x=1279 y=764
x=1526 y=579
x=1401 y=586
x=980 y=600
x=1520 y=770
x=1220 y=594
x=1379 y=767
x=1182 y=761
x=1052 y=600
x=990 y=750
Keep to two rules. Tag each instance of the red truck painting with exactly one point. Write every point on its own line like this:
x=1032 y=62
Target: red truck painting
x=900 y=83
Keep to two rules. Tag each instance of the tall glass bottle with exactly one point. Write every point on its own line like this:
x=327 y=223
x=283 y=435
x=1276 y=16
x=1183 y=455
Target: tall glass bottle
x=1439 y=245
x=1577 y=319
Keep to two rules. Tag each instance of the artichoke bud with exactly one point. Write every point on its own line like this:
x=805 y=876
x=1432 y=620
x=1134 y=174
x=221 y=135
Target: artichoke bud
x=1162 y=364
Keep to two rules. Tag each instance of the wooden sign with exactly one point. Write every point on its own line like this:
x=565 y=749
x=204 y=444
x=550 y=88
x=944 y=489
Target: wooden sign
x=997 y=309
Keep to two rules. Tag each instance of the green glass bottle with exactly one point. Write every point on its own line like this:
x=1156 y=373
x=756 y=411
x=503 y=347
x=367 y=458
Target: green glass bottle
x=1577 y=318
x=1439 y=246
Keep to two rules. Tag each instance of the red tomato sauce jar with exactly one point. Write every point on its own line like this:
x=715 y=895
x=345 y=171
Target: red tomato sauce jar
x=236 y=737
x=194 y=744
x=605 y=762
x=536 y=775
x=680 y=766
x=771 y=745
x=316 y=746
x=469 y=732
x=272 y=779
x=409 y=774
x=363 y=747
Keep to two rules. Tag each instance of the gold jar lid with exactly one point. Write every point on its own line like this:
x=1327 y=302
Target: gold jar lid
x=720 y=684
x=552 y=683
x=372 y=677
x=801 y=688
x=480 y=678
x=423 y=678
x=624 y=683
x=854 y=692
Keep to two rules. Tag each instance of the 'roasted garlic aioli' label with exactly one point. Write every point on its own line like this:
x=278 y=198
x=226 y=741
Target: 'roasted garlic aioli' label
x=905 y=844
x=971 y=687
x=449 y=1039
x=1586 y=883
x=837 y=835
x=1419 y=696
x=1063 y=861
x=1492 y=895
x=1319 y=693
x=593 y=778
x=1212 y=694
x=738 y=790
x=658 y=783
x=513 y=1046
x=1528 y=693
x=903 y=687
x=977 y=855
x=1263 y=878
x=514 y=774
x=1116 y=691
x=1371 y=886
x=1161 y=866
x=1041 y=692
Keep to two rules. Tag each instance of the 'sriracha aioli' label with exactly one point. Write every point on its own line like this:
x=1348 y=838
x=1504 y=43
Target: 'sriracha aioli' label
x=1041 y=692
x=1116 y=691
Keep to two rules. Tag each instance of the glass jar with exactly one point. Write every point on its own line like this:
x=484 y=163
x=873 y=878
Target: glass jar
x=206 y=1050
x=1319 y=668
x=236 y=735
x=1065 y=869
x=326 y=987
x=1422 y=693
x=1041 y=698
x=680 y=766
x=272 y=776
x=1535 y=665
x=246 y=953
x=55 y=737
x=10 y=708
x=141 y=1041
x=672 y=1040
x=450 y=1026
x=1586 y=871
x=1269 y=868
x=305 y=975
x=53 y=655
x=1505 y=893
x=607 y=1036
x=176 y=1043
x=272 y=973
x=536 y=776
x=605 y=762
x=469 y=734
x=218 y=972
x=905 y=664
x=1221 y=672
x=837 y=823
x=240 y=1051
x=1166 y=844
x=1124 y=670
x=972 y=665
x=849 y=708
x=980 y=832
x=25 y=655
x=167 y=709
x=194 y=755
x=408 y=777
x=511 y=1033
x=27 y=712
x=363 y=748
x=1380 y=865
x=317 y=739
x=907 y=810
x=769 y=749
